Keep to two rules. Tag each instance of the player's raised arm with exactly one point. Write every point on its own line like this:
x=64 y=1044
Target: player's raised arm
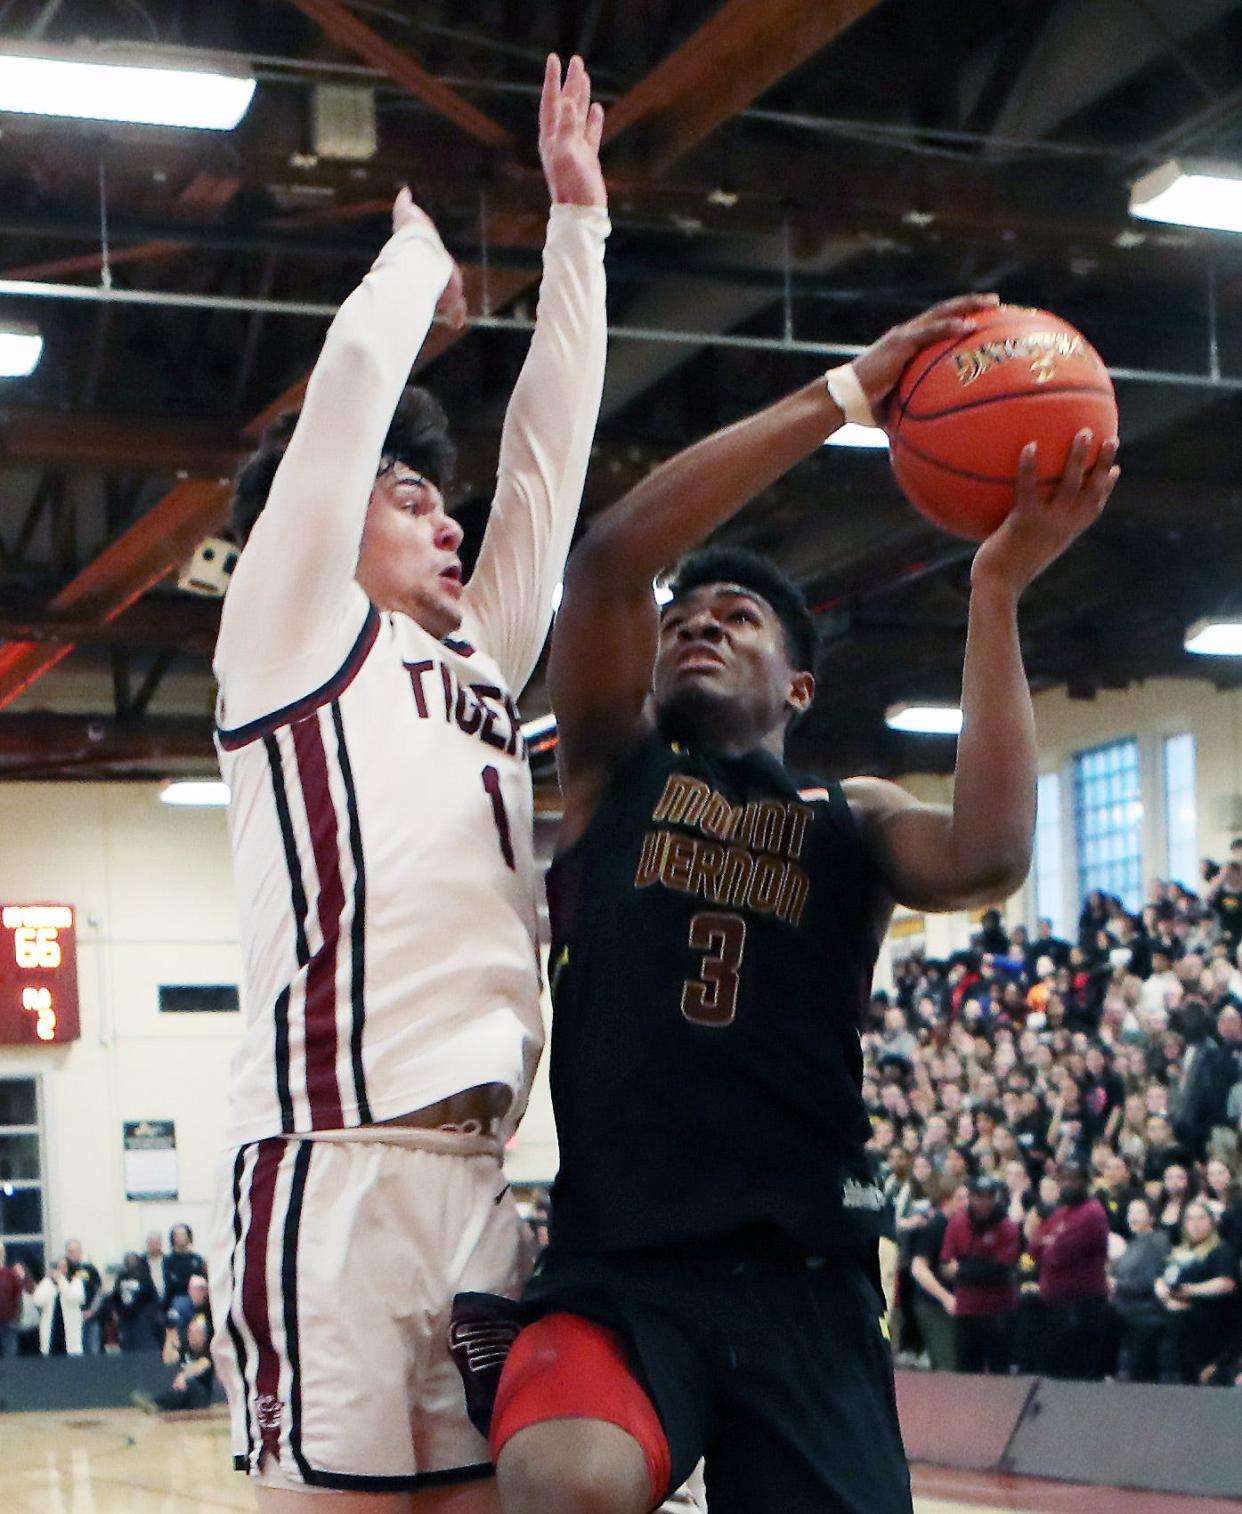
x=293 y=598
x=550 y=424
x=605 y=638
x=979 y=851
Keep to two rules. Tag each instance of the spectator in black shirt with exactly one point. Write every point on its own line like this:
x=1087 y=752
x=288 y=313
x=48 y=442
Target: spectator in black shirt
x=180 y=1265
x=130 y=1302
x=1103 y=1096
x=1224 y=894
x=192 y=1386
x=1048 y=945
x=1094 y=917
x=1199 y=1289
x=1222 y=1194
x=1031 y=1130
x=992 y=934
x=1161 y=1148
x=1200 y=1096
x=933 y=1300
x=1116 y=1191
x=1176 y=1195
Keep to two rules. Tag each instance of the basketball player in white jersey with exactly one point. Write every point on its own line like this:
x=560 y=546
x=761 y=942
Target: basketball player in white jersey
x=381 y=832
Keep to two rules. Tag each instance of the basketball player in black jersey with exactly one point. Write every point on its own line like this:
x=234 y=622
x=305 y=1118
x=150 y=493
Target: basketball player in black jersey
x=711 y=1289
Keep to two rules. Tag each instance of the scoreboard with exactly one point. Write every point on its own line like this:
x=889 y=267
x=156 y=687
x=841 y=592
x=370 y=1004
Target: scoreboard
x=38 y=974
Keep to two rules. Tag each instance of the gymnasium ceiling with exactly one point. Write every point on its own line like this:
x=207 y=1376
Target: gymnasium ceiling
x=819 y=168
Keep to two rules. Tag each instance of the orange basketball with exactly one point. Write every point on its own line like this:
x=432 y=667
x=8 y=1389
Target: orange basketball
x=963 y=411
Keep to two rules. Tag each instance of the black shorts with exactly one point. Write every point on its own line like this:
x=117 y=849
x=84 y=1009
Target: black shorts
x=773 y=1366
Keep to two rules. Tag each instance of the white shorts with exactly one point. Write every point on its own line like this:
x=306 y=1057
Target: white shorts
x=335 y=1263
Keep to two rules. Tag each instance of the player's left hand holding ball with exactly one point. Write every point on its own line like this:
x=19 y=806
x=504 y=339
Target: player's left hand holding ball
x=1038 y=529
x=570 y=128
x=882 y=364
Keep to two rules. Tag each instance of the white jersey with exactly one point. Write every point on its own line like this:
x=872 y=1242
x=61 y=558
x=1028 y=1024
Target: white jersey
x=381 y=805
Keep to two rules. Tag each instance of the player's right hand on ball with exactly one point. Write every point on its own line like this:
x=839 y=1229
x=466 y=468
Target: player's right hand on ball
x=1038 y=528
x=883 y=363
x=451 y=307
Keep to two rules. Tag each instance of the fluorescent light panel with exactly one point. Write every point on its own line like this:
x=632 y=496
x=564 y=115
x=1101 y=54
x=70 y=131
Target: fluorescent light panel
x=854 y=435
x=924 y=719
x=196 y=792
x=1215 y=638
x=1207 y=195
x=21 y=347
x=38 y=84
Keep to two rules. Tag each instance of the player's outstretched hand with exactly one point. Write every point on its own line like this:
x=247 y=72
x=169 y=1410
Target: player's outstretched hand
x=451 y=307
x=1038 y=528
x=883 y=363
x=570 y=127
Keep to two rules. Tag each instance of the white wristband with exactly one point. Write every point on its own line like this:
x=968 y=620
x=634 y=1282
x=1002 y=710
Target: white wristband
x=847 y=395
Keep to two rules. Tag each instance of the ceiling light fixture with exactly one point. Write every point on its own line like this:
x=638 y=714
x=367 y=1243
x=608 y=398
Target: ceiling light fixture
x=1215 y=638
x=1206 y=194
x=142 y=86
x=199 y=793
x=21 y=347
x=924 y=719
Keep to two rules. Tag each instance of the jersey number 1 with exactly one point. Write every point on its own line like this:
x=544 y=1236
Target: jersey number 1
x=711 y=998
x=491 y=782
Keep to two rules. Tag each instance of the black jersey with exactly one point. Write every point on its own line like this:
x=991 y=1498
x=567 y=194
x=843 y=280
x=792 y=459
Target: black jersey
x=712 y=948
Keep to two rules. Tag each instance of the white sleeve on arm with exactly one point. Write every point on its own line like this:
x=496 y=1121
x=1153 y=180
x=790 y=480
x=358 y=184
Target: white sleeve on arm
x=545 y=447
x=293 y=605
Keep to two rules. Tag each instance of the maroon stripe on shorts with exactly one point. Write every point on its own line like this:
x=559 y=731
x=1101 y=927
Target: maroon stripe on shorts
x=323 y=1090
x=254 y=1299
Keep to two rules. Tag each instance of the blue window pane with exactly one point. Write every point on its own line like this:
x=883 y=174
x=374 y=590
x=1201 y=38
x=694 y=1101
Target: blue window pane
x=1181 y=808
x=1107 y=821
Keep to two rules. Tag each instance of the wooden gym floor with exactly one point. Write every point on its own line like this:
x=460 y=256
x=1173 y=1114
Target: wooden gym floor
x=121 y=1461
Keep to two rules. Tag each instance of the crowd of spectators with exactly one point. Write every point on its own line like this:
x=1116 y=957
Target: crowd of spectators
x=155 y=1300
x=1057 y=1123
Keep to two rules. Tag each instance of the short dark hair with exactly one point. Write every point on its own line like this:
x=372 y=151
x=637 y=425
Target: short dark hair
x=418 y=437
x=737 y=566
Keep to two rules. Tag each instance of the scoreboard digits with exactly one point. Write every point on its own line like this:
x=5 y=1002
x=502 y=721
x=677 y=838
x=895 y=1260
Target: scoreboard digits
x=38 y=974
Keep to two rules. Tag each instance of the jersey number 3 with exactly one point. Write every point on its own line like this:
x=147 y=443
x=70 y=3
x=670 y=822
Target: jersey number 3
x=711 y=998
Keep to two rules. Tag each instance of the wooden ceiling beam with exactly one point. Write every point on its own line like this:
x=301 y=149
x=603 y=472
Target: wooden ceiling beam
x=118 y=443
x=121 y=574
x=735 y=56
x=345 y=28
x=187 y=624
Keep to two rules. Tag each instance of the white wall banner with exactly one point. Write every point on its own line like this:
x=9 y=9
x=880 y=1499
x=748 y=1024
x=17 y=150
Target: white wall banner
x=150 y=1160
